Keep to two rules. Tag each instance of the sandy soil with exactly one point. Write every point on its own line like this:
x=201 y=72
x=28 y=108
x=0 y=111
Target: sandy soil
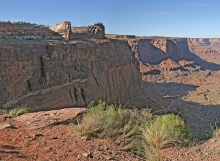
x=54 y=143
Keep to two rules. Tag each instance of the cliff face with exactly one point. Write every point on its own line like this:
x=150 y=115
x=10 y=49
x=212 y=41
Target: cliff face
x=154 y=51
x=50 y=76
x=207 y=49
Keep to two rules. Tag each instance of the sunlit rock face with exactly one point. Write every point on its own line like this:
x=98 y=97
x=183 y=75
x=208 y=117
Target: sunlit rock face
x=64 y=29
x=95 y=31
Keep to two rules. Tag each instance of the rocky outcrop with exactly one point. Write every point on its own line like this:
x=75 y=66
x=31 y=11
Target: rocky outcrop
x=185 y=63
x=98 y=29
x=64 y=29
x=43 y=119
x=95 y=31
x=169 y=65
x=160 y=44
x=52 y=76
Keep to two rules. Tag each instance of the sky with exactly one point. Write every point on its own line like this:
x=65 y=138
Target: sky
x=171 y=18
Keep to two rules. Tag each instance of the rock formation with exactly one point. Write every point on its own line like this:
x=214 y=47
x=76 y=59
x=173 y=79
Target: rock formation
x=95 y=31
x=64 y=29
x=154 y=51
x=50 y=74
x=98 y=29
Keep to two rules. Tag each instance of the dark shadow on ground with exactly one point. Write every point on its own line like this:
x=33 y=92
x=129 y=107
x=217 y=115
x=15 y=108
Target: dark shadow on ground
x=171 y=88
x=200 y=118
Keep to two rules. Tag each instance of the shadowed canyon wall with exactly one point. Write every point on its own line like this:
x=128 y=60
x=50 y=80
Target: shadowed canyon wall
x=154 y=51
x=172 y=63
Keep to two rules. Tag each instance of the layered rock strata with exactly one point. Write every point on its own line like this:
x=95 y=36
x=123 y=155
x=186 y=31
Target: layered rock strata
x=52 y=75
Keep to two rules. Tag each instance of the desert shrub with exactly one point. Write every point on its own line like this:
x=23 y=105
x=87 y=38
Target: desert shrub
x=216 y=132
x=92 y=122
x=114 y=122
x=166 y=130
x=20 y=110
x=135 y=130
x=155 y=136
x=174 y=126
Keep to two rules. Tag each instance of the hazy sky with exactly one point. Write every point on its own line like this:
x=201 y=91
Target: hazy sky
x=174 y=18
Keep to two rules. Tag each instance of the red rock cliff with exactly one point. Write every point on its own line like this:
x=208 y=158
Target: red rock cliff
x=51 y=75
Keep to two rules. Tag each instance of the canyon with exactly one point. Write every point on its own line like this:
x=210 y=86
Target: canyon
x=62 y=66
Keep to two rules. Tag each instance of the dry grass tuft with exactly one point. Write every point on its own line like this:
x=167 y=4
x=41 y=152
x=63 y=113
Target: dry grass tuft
x=20 y=110
x=156 y=136
x=216 y=133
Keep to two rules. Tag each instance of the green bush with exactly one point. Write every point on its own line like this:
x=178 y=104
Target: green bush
x=174 y=126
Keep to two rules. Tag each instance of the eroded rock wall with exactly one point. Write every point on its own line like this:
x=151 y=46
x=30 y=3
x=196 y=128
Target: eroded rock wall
x=64 y=75
x=154 y=51
x=207 y=49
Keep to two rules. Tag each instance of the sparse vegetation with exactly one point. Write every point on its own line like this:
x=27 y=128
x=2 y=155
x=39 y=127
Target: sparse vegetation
x=174 y=126
x=216 y=133
x=135 y=130
x=103 y=118
x=20 y=110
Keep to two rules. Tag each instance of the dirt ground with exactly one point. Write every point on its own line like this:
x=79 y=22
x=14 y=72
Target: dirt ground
x=59 y=143
x=55 y=143
x=203 y=151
